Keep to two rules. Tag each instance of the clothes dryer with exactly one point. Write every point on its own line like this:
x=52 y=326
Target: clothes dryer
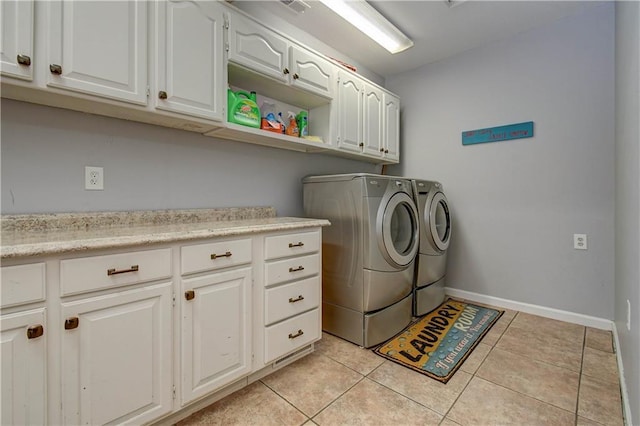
x=368 y=253
x=435 y=235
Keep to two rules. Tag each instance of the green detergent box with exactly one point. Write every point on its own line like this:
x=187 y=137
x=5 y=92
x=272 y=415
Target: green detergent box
x=243 y=109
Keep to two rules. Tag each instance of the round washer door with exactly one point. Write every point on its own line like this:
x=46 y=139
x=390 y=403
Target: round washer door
x=439 y=221
x=399 y=236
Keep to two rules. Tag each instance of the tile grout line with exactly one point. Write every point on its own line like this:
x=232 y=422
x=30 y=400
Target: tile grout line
x=338 y=397
x=286 y=400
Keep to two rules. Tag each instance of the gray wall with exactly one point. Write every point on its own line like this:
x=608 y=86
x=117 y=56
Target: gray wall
x=516 y=204
x=627 y=265
x=44 y=151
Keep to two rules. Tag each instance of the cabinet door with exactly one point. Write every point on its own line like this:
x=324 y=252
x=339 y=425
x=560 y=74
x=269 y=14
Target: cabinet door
x=216 y=321
x=350 y=112
x=391 y=127
x=16 y=39
x=257 y=48
x=116 y=359
x=23 y=368
x=311 y=72
x=189 y=58
x=99 y=48
x=373 y=115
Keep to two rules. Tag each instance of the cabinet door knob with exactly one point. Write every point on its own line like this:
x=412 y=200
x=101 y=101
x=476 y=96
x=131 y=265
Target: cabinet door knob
x=71 y=323
x=298 y=334
x=285 y=71
x=386 y=151
x=189 y=294
x=35 y=331
x=361 y=144
x=296 y=76
x=24 y=60
x=162 y=94
x=55 y=69
x=381 y=149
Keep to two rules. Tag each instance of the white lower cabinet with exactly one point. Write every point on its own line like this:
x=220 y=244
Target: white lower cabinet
x=24 y=369
x=216 y=331
x=116 y=357
x=143 y=335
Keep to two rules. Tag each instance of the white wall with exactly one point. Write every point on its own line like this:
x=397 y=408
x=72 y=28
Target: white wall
x=627 y=266
x=516 y=204
x=44 y=151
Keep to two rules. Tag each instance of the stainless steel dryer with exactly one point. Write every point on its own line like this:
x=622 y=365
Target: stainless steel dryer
x=368 y=253
x=435 y=234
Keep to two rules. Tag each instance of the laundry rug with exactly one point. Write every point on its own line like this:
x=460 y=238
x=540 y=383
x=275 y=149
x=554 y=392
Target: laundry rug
x=439 y=342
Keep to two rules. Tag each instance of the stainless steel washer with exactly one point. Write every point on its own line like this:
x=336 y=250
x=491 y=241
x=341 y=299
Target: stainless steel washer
x=435 y=235
x=368 y=253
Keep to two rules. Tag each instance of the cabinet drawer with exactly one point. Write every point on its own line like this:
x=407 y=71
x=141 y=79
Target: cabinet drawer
x=116 y=270
x=291 y=244
x=22 y=284
x=289 y=335
x=290 y=299
x=291 y=269
x=218 y=255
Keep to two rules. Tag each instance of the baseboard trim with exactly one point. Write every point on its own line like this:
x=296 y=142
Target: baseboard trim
x=626 y=408
x=572 y=317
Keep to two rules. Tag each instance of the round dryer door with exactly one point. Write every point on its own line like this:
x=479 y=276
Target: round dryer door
x=439 y=221
x=399 y=235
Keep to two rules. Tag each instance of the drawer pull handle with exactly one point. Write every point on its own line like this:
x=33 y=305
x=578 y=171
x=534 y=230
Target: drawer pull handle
x=299 y=268
x=297 y=299
x=55 y=69
x=215 y=256
x=298 y=244
x=189 y=294
x=114 y=271
x=24 y=60
x=71 y=323
x=35 y=331
x=298 y=334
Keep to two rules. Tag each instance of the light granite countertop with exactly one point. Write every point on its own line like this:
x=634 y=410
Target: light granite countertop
x=36 y=235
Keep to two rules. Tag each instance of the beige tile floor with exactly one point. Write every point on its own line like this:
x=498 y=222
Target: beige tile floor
x=527 y=370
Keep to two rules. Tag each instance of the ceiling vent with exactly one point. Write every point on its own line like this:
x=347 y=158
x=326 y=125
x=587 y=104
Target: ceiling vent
x=297 y=6
x=454 y=3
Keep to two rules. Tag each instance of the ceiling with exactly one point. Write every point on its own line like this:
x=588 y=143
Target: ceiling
x=437 y=30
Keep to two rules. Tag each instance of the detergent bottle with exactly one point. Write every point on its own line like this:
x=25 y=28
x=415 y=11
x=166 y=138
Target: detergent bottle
x=242 y=108
x=292 y=128
x=303 y=123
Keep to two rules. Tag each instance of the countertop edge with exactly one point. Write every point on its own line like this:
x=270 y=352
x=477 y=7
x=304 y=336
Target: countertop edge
x=59 y=247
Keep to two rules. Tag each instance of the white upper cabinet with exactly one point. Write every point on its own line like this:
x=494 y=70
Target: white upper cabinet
x=99 y=48
x=311 y=72
x=16 y=38
x=189 y=77
x=257 y=48
x=391 y=127
x=368 y=119
x=262 y=50
x=350 y=112
x=373 y=123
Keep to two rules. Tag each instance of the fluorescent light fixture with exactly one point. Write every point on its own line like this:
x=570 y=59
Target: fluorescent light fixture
x=368 y=20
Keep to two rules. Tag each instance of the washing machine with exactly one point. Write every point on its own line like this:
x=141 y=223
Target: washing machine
x=368 y=253
x=435 y=235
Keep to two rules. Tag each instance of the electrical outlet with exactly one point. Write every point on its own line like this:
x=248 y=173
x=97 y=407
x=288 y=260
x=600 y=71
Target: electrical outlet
x=580 y=241
x=628 y=315
x=93 y=178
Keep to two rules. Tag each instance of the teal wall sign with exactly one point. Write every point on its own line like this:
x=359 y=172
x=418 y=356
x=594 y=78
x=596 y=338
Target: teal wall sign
x=500 y=133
